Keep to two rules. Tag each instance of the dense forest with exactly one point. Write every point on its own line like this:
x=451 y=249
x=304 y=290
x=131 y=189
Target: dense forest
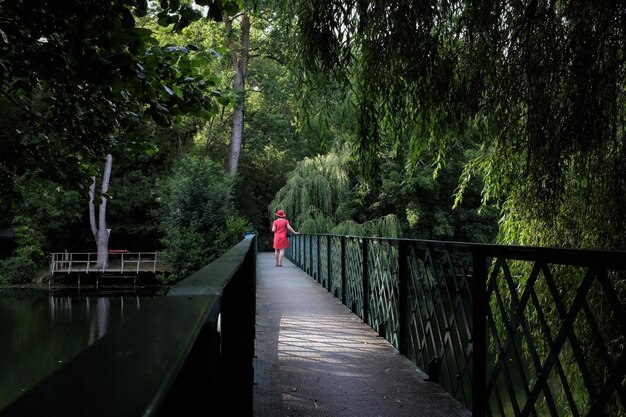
x=450 y=120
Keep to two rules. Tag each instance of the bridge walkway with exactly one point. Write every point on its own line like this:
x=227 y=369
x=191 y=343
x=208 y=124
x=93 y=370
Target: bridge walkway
x=314 y=357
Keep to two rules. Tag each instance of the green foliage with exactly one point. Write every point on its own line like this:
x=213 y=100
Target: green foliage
x=78 y=76
x=55 y=213
x=130 y=211
x=46 y=220
x=314 y=192
x=423 y=200
x=17 y=269
x=231 y=233
x=326 y=195
x=386 y=226
x=49 y=207
x=185 y=251
x=539 y=85
x=29 y=258
x=197 y=216
x=272 y=146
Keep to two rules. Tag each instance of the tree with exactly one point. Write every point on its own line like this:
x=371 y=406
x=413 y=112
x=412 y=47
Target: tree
x=541 y=83
x=326 y=194
x=197 y=216
x=73 y=70
x=239 y=60
x=231 y=13
x=99 y=228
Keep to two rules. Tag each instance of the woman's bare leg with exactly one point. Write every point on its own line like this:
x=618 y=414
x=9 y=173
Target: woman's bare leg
x=281 y=256
x=277 y=256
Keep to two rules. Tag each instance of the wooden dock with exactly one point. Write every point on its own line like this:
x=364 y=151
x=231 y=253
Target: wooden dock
x=119 y=262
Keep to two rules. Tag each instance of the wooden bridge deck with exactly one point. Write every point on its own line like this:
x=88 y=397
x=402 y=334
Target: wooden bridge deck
x=316 y=358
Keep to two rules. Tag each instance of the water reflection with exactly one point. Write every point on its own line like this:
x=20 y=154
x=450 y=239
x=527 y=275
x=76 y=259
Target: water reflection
x=42 y=328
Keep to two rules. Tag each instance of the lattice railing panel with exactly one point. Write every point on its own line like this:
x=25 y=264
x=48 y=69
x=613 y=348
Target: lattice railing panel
x=314 y=259
x=383 y=286
x=440 y=326
x=354 y=274
x=335 y=255
x=323 y=261
x=508 y=331
x=550 y=344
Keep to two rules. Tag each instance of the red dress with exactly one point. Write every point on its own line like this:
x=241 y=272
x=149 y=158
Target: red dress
x=280 y=234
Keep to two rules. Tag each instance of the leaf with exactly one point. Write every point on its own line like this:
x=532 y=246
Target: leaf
x=215 y=14
x=224 y=101
x=190 y=14
x=178 y=91
x=141 y=8
x=219 y=51
x=143 y=32
x=232 y=7
x=214 y=80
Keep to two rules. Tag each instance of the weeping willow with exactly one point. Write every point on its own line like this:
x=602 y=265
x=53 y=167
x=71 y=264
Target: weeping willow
x=315 y=196
x=314 y=191
x=540 y=82
x=386 y=226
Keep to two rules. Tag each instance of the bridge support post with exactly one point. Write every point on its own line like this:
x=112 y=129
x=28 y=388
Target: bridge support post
x=329 y=263
x=403 y=314
x=343 y=270
x=318 y=268
x=366 y=282
x=479 y=333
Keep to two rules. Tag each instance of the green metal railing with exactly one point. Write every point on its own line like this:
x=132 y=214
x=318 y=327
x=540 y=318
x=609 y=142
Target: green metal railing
x=183 y=355
x=508 y=331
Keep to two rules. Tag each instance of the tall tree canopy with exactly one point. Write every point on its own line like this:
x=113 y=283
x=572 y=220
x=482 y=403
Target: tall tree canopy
x=540 y=82
x=77 y=76
x=80 y=81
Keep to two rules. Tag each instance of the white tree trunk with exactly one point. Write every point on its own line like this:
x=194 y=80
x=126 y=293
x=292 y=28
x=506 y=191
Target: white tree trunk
x=99 y=229
x=239 y=62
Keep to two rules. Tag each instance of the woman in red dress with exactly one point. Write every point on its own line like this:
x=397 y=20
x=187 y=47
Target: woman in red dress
x=280 y=228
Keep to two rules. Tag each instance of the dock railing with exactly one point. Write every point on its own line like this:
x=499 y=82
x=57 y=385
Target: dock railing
x=509 y=331
x=188 y=353
x=118 y=262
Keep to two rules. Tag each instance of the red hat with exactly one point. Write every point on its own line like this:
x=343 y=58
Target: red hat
x=280 y=213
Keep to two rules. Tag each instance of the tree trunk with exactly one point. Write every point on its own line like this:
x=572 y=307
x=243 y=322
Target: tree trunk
x=99 y=230
x=239 y=62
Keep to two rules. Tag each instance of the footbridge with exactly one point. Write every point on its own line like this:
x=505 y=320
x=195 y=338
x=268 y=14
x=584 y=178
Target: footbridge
x=356 y=326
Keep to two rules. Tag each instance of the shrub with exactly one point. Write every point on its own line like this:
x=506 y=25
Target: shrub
x=197 y=216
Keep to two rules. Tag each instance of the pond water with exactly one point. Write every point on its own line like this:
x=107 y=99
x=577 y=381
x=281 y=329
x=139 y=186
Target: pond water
x=43 y=327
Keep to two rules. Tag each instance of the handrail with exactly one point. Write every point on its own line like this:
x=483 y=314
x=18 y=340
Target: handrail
x=497 y=326
x=185 y=350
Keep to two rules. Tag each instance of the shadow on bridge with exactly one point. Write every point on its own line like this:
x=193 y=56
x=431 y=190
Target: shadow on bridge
x=315 y=357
